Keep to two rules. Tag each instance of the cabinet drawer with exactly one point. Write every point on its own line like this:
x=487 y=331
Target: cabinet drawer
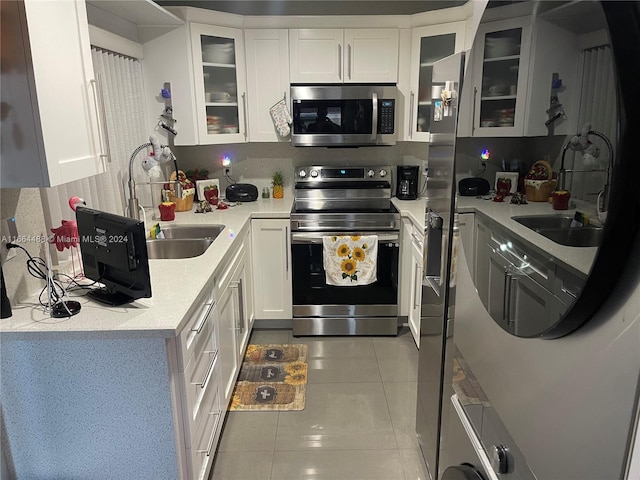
x=203 y=445
x=523 y=259
x=193 y=334
x=200 y=380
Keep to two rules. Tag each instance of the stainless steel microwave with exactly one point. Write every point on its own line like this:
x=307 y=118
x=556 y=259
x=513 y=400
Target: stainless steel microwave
x=344 y=115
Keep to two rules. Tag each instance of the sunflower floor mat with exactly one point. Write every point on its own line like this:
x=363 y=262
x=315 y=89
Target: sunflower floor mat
x=272 y=377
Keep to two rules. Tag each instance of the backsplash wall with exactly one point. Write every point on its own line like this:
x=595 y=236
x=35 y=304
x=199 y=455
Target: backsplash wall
x=256 y=162
x=24 y=204
x=522 y=152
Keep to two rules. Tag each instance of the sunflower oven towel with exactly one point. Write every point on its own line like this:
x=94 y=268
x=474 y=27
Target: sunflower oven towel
x=350 y=261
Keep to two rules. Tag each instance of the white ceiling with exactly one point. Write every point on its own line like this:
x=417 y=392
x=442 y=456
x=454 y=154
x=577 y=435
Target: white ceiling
x=318 y=7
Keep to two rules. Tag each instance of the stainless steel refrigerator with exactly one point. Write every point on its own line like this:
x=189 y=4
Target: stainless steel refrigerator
x=438 y=289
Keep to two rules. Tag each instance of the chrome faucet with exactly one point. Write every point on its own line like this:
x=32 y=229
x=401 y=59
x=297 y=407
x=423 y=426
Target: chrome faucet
x=604 y=193
x=134 y=205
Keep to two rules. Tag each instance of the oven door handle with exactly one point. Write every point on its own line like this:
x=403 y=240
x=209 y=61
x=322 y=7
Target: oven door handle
x=308 y=238
x=338 y=227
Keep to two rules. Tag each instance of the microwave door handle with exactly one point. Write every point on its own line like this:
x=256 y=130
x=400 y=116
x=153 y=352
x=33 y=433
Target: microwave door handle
x=374 y=125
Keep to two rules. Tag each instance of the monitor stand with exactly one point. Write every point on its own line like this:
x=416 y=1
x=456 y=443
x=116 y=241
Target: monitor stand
x=113 y=299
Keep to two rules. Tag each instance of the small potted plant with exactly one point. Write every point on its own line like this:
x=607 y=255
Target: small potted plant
x=278 y=189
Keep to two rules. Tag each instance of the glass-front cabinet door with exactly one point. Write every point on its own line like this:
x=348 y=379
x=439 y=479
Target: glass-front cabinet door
x=220 y=92
x=429 y=44
x=500 y=78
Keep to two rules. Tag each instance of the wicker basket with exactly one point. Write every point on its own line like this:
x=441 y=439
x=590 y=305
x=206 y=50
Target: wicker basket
x=182 y=204
x=185 y=203
x=540 y=190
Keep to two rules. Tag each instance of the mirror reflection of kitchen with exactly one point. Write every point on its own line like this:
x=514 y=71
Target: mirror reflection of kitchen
x=540 y=97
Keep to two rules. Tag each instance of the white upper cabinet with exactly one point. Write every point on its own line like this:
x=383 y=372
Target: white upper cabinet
x=51 y=131
x=267 y=55
x=514 y=66
x=344 y=56
x=428 y=45
x=219 y=83
x=371 y=55
x=501 y=72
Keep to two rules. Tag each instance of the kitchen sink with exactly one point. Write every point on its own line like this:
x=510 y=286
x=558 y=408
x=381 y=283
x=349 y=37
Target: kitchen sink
x=177 y=248
x=192 y=231
x=536 y=222
x=183 y=241
x=587 y=236
x=557 y=228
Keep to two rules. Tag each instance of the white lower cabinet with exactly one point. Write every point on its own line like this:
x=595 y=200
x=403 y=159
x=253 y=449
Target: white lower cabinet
x=523 y=288
x=198 y=363
x=271 y=249
x=233 y=324
x=415 y=310
x=209 y=354
x=411 y=286
x=466 y=225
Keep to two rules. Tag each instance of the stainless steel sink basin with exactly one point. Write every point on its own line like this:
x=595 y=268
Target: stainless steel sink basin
x=183 y=241
x=574 y=237
x=192 y=231
x=557 y=228
x=536 y=222
x=177 y=248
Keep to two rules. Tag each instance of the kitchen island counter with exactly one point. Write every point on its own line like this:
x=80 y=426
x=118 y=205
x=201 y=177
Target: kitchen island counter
x=175 y=285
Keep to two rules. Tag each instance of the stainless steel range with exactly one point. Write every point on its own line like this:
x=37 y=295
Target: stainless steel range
x=343 y=201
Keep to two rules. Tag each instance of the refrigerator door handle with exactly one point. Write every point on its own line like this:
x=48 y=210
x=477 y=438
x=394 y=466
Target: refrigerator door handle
x=433 y=251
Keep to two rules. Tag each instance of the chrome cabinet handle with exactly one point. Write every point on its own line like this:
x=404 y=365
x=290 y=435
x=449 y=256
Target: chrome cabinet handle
x=473 y=113
x=505 y=296
x=213 y=436
x=238 y=284
x=417 y=240
x=569 y=292
x=207 y=376
x=101 y=116
x=203 y=318
x=411 y=100
x=349 y=60
x=286 y=250
x=244 y=111
x=417 y=284
x=241 y=304
x=512 y=282
x=340 y=61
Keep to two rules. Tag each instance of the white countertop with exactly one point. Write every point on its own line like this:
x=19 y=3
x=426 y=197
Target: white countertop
x=579 y=258
x=175 y=285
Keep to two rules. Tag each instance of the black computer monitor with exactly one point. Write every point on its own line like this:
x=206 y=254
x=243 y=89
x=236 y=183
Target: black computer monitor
x=114 y=253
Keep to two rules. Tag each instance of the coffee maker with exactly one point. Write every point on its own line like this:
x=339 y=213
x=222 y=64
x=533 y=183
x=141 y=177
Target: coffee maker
x=408 y=180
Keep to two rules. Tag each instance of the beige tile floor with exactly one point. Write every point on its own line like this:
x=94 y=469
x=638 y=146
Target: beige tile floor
x=358 y=422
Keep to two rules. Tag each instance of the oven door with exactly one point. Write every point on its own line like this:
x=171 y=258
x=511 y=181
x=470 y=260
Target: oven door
x=363 y=309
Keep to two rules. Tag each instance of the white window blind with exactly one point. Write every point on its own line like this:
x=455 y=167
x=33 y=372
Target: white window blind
x=122 y=85
x=598 y=107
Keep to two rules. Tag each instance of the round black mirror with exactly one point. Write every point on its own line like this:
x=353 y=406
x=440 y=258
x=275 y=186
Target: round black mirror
x=553 y=95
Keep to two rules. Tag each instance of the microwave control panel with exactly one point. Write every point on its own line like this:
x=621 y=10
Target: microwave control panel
x=386 y=116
